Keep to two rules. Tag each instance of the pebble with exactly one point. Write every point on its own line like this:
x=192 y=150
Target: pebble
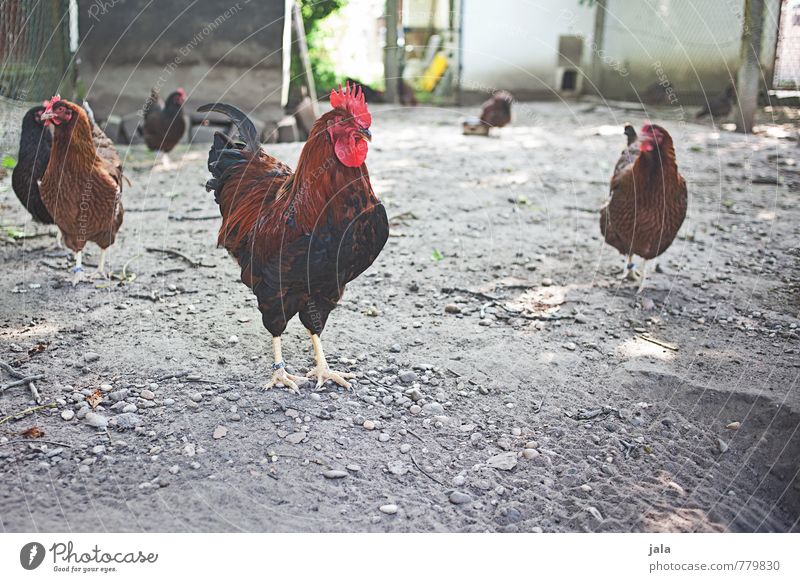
x=353 y=467
x=147 y=394
x=189 y=450
x=90 y=357
x=531 y=445
x=196 y=397
x=459 y=480
x=407 y=376
x=414 y=394
x=405 y=448
x=96 y=420
x=722 y=445
x=296 y=437
x=389 y=509
x=220 y=432
x=334 y=474
x=547 y=282
x=174 y=469
x=398 y=468
x=129 y=408
x=414 y=409
x=369 y=425
x=586 y=488
x=459 y=498
x=119 y=395
x=733 y=425
x=570 y=346
x=127 y=420
x=395 y=348
x=67 y=414
x=383 y=437
x=530 y=453
x=433 y=408
x=503 y=461
x=452 y=308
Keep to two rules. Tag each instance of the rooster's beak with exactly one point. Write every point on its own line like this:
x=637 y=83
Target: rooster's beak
x=365 y=134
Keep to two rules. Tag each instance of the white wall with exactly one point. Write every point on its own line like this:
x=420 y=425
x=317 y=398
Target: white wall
x=513 y=44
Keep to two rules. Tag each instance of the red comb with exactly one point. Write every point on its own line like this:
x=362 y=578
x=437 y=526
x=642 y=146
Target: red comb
x=352 y=100
x=48 y=103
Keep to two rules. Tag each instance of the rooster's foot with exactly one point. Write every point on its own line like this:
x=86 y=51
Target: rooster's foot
x=326 y=373
x=281 y=377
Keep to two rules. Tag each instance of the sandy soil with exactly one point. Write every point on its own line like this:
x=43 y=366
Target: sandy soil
x=519 y=337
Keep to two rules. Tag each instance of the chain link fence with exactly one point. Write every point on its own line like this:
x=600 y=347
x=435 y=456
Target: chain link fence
x=34 y=58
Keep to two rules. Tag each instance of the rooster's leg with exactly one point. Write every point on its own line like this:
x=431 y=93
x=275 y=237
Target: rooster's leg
x=77 y=271
x=643 y=276
x=280 y=377
x=100 y=272
x=321 y=370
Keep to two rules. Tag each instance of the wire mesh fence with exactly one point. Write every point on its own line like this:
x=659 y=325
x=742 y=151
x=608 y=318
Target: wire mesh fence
x=34 y=48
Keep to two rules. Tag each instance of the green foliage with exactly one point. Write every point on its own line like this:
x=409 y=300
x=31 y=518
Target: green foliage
x=437 y=256
x=322 y=67
x=8 y=162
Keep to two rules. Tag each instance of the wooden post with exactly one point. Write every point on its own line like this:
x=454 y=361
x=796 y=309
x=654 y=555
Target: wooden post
x=287 y=53
x=749 y=76
x=302 y=45
x=597 y=45
x=391 y=63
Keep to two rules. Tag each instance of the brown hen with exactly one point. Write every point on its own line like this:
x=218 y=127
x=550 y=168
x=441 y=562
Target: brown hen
x=82 y=185
x=648 y=199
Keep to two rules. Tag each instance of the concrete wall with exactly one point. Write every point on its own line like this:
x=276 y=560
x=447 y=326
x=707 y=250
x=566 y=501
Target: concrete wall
x=215 y=49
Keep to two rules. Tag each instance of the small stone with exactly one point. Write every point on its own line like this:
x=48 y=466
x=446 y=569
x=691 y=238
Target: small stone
x=407 y=376
x=67 y=414
x=414 y=394
x=189 y=450
x=531 y=445
x=452 y=308
x=503 y=461
x=459 y=498
x=405 y=448
x=106 y=387
x=530 y=453
x=722 y=445
x=733 y=425
x=459 y=480
x=389 y=509
x=90 y=357
x=296 y=437
x=127 y=420
x=147 y=394
x=196 y=397
x=129 y=408
x=395 y=348
x=398 y=468
x=586 y=488
x=414 y=409
x=233 y=339
x=383 y=437
x=369 y=425
x=119 y=395
x=220 y=432
x=433 y=408
x=96 y=420
x=570 y=346
x=174 y=469
x=334 y=474
x=353 y=468
x=547 y=282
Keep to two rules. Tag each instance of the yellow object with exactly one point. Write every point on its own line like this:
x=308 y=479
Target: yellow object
x=431 y=76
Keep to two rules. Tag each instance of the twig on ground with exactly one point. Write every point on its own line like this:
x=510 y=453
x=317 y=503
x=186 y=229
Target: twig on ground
x=411 y=432
x=21 y=382
x=178 y=254
x=423 y=471
x=27 y=411
x=180 y=218
x=152 y=209
x=658 y=342
x=479 y=294
x=29 y=441
x=35 y=393
x=175 y=375
x=14 y=373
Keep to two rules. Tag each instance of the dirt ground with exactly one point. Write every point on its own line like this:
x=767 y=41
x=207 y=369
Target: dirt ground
x=501 y=364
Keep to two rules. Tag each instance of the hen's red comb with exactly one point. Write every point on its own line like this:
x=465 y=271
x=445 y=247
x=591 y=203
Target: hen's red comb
x=48 y=103
x=352 y=100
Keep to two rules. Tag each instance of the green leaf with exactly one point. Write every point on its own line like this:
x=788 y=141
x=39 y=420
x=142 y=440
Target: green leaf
x=8 y=162
x=437 y=256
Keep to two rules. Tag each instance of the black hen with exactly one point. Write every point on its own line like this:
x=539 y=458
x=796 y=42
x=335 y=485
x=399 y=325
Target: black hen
x=34 y=153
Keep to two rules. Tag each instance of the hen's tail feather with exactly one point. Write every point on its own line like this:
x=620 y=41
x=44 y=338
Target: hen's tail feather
x=247 y=130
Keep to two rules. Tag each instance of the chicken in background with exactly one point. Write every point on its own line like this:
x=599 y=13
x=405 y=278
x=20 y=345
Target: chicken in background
x=299 y=237
x=34 y=152
x=82 y=185
x=648 y=199
x=719 y=107
x=496 y=111
x=164 y=123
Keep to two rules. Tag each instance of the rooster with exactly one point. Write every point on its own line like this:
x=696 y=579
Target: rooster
x=82 y=185
x=299 y=237
x=34 y=152
x=164 y=123
x=648 y=199
x=496 y=111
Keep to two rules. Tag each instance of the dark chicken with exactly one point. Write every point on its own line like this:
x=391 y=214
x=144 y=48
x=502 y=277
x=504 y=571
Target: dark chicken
x=82 y=185
x=720 y=106
x=299 y=237
x=648 y=199
x=34 y=152
x=164 y=122
x=496 y=111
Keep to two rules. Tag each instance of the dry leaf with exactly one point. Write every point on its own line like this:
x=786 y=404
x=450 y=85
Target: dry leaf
x=38 y=348
x=95 y=398
x=33 y=432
